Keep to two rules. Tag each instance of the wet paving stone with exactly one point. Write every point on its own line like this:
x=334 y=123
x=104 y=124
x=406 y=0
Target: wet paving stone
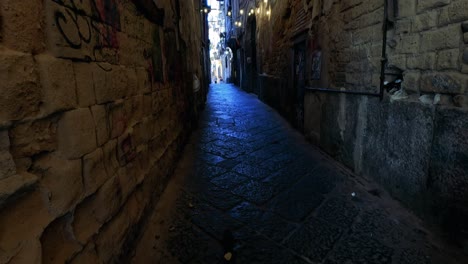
x=207 y=158
x=213 y=221
x=296 y=203
x=360 y=249
x=229 y=180
x=246 y=212
x=413 y=256
x=187 y=243
x=278 y=199
x=381 y=225
x=259 y=250
x=314 y=240
x=251 y=171
x=218 y=197
x=228 y=163
x=255 y=192
x=339 y=211
x=206 y=171
x=272 y=226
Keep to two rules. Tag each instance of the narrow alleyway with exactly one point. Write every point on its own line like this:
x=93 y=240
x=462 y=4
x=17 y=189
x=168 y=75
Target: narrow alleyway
x=250 y=185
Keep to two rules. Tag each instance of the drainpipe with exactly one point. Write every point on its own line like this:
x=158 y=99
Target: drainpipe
x=384 y=51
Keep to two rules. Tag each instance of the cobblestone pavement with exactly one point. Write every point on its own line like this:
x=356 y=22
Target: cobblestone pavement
x=254 y=187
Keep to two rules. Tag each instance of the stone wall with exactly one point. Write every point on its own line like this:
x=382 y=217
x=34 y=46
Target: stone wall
x=96 y=103
x=415 y=141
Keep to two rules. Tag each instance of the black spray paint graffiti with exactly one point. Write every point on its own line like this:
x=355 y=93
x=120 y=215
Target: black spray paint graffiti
x=97 y=29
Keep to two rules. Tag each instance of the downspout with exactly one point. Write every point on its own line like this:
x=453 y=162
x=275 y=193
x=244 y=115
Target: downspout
x=384 y=59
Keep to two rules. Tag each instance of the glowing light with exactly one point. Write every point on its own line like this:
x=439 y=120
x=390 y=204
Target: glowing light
x=268 y=12
x=258 y=10
x=241 y=11
x=206 y=10
x=229 y=13
x=252 y=11
x=265 y=1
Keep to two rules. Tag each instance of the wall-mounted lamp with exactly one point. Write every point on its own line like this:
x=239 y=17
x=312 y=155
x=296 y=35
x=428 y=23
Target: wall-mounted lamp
x=229 y=12
x=241 y=11
x=258 y=10
x=205 y=9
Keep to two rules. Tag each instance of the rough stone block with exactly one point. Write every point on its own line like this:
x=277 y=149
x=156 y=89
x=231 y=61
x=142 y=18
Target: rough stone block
x=83 y=39
x=31 y=138
x=15 y=186
x=21 y=95
x=465 y=37
x=403 y=26
x=58 y=84
x=58 y=243
x=457 y=11
x=425 y=21
x=100 y=81
x=61 y=180
x=397 y=61
x=449 y=157
x=84 y=84
x=429 y=4
x=110 y=157
x=408 y=44
x=442 y=38
x=132 y=82
x=425 y=61
x=137 y=109
x=118 y=119
x=96 y=210
x=7 y=165
x=126 y=148
x=366 y=35
x=88 y=255
x=404 y=131
x=94 y=172
x=101 y=122
x=20 y=29
x=21 y=225
x=115 y=84
x=448 y=59
x=128 y=179
x=142 y=131
x=147 y=104
x=411 y=81
x=144 y=83
x=406 y=8
x=445 y=83
x=76 y=133
x=109 y=242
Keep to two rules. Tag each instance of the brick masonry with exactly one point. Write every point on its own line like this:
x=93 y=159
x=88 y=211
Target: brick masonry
x=415 y=145
x=96 y=104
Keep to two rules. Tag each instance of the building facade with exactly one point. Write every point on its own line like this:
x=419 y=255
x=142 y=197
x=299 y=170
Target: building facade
x=380 y=85
x=97 y=101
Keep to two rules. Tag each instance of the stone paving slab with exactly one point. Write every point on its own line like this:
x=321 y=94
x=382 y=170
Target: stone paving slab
x=258 y=190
